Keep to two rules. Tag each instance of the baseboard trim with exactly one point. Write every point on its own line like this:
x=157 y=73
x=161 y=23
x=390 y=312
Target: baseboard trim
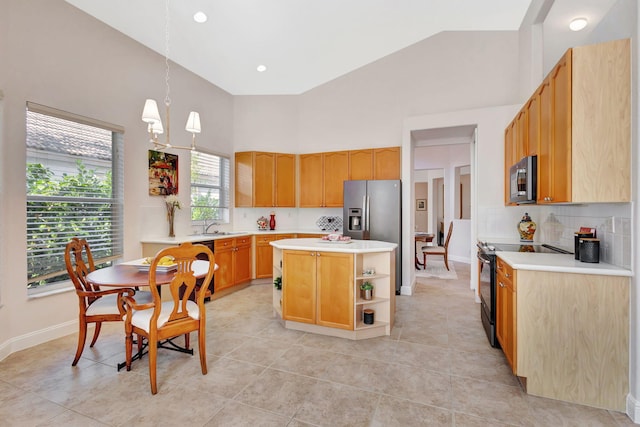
x=633 y=408
x=31 y=339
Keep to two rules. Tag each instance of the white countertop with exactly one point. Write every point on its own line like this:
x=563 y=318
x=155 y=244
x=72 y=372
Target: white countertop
x=315 y=244
x=214 y=236
x=559 y=263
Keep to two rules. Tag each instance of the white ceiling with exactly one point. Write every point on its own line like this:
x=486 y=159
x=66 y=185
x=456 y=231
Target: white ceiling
x=304 y=43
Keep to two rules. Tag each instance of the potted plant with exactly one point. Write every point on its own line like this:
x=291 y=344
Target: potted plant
x=366 y=290
x=277 y=283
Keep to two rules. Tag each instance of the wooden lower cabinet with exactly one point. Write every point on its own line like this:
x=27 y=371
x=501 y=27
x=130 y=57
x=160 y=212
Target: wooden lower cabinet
x=506 y=312
x=318 y=288
x=233 y=257
x=566 y=334
x=264 y=253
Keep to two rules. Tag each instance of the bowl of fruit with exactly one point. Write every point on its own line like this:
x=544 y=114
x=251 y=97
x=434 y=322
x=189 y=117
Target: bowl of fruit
x=166 y=263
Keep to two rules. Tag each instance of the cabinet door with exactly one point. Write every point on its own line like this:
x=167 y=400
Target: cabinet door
x=361 y=164
x=244 y=179
x=264 y=256
x=545 y=171
x=223 y=252
x=533 y=125
x=242 y=260
x=299 y=286
x=285 y=180
x=386 y=163
x=336 y=171
x=335 y=290
x=311 y=187
x=521 y=135
x=263 y=179
x=560 y=150
x=509 y=159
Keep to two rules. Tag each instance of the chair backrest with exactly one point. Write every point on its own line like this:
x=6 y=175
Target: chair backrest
x=79 y=263
x=446 y=241
x=184 y=281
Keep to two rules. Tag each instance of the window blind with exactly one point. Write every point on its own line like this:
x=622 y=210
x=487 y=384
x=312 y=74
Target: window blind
x=209 y=187
x=74 y=189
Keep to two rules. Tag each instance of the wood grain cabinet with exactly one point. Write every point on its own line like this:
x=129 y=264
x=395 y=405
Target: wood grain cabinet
x=265 y=179
x=361 y=164
x=566 y=334
x=233 y=257
x=321 y=178
x=264 y=253
x=506 y=312
x=318 y=288
x=580 y=117
x=386 y=163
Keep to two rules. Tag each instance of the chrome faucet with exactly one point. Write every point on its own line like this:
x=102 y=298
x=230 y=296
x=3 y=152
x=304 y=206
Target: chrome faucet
x=207 y=227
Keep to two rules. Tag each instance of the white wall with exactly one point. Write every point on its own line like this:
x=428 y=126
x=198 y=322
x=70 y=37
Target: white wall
x=56 y=55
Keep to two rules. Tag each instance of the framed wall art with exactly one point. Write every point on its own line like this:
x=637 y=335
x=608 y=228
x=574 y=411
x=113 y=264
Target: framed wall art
x=163 y=173
x=421 y=204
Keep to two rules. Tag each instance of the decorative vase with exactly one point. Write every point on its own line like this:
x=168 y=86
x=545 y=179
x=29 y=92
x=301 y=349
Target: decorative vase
x=272 y=221
x=526 y=228
x=170 y=216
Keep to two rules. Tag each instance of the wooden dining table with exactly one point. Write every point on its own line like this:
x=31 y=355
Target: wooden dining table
x=133 y=274
x=421 y=237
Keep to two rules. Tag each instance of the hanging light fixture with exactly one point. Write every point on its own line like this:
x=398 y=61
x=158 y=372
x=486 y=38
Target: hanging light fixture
x=150 y=114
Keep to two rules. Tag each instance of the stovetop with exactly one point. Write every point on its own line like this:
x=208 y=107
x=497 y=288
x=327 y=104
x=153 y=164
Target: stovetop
x=491 y=248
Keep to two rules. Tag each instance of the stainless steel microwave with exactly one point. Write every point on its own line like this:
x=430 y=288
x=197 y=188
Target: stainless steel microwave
x=523 y=180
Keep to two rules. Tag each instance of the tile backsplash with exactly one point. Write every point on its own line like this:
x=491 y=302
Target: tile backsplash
x=556 y=226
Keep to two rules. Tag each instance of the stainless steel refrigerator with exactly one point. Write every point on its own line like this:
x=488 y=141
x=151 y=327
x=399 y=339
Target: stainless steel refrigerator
x=372 y=211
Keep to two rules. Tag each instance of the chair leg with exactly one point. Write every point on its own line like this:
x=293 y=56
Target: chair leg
x=96 y=333
x=82 y=336
x=202 y=351
x=153 y=355
x=424 y=260
x=128 y=348
x=446 y=261
x=187 y=341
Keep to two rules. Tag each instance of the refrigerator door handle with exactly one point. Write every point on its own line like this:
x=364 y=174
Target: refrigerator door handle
x=366 y=215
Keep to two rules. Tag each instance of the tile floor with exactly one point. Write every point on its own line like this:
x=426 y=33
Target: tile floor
x=436 y=369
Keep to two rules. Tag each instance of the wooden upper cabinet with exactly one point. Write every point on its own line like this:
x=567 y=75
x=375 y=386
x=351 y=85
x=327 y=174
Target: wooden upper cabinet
x=509 y=158
x=361 y=164
x=522 y=135
x=336 y=171
x=265 y=179
x=532 y=108
x=601 y=122
x=554 y=157
x=386 y=163
x=311 y=180
x=244 y=179
x=285 y=177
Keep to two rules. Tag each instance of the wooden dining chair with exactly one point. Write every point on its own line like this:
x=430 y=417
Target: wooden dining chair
x=438 y=250
x=158 y=321
x=94 y=305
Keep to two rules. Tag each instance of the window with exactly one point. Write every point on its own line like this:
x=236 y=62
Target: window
x=209 y=188
x=74 y=189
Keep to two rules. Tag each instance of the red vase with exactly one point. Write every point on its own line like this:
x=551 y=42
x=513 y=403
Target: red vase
x=272 y=222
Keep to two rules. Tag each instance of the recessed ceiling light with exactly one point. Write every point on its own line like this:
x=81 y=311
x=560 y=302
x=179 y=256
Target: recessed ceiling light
x=200 y=17
x=578 y=24
x=261 y=68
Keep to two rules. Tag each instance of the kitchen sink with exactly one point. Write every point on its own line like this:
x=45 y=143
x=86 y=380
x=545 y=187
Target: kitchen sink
x=219 y=233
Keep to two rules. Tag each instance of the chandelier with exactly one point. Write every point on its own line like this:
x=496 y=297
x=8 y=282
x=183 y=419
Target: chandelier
x=151 y=116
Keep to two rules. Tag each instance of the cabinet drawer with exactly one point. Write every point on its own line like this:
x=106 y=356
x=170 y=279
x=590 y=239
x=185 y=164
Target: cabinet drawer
x=242 y=241
x=221 y=244
x=505 y=273
x=264 y=240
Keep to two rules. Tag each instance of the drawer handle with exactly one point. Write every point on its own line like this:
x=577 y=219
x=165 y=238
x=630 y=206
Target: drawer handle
x=501 y=284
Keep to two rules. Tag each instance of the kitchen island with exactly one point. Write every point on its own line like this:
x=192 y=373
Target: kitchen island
x=321 y=286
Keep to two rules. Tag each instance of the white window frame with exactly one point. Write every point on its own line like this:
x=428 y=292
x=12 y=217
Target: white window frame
x=106 y=247
x=223 y=186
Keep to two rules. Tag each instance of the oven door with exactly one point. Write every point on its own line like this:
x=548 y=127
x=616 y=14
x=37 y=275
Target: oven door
x=485 y=275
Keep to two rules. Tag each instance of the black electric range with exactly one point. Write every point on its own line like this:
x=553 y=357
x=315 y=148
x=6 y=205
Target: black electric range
x=487 y=278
